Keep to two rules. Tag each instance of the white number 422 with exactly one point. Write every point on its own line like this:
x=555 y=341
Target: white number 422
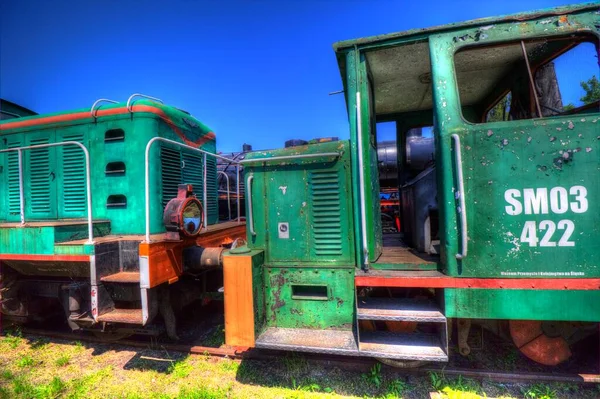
x=529 y=234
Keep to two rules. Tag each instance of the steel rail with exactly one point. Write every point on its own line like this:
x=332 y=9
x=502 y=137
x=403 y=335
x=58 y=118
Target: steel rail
x=345 y=362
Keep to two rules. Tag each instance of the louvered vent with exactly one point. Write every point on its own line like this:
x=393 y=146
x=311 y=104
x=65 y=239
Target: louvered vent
x=13 y=179
x=73 y=166
x=192 y=173
x=39 y=178
x=211 y=189
x=326 y=213
x=170 y=172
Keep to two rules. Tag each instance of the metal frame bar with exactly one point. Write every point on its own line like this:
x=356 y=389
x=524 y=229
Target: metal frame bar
x=299 y=156
x=100 y=101
x=204 y=192
x=361 y=179
x=461 y=196
x=147 y=174
x=237 y=174
x=249 y=190
x=87 y=175
x=531 y=82
x=130 y=102
x=228 y=200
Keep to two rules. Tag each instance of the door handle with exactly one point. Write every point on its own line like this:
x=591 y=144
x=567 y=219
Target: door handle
x=462 y=210
x=249 y=194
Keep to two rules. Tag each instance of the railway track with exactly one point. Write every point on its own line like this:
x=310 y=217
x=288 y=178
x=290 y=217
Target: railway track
x=343 y=362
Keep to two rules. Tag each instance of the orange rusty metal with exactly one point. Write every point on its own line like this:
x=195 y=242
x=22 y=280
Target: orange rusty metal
x=165 y=258
x=529 y=337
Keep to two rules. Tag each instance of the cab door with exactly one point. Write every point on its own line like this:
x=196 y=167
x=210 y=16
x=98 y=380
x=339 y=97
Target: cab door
x=40 y=177
x=522 y=189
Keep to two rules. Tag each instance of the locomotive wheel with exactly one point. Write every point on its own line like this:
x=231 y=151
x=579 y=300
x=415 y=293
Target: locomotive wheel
x=541 y=341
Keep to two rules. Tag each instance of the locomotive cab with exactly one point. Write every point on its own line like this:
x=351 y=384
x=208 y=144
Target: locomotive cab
x=497 y=201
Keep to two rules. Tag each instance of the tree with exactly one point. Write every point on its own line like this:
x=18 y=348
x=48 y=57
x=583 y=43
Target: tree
x=592 y=90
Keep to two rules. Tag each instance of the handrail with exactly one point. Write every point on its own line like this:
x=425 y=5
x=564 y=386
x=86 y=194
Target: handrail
x=129 y=100
x=204 y=197
x=322 y=154
x=461 y=196
x=228 y=200
x=87 y=171
x=10 y=113
x=147 y=174
x=237 y=190
x=249 y=190
x=361 y=179
x=100 y=101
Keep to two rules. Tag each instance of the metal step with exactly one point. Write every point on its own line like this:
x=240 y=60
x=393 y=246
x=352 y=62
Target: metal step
x=412 y=346
x=122 y=277
x=399 y=309
x=308 y=340
x=126 y=316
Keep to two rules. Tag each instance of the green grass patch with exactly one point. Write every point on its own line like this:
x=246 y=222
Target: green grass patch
x=80 y=387
x=229 y=365
x=13 y=339
x=216 y=337
x=202 y=393
x=63 y=360
x=25 y=361
x=373 y=377
x=180 y=369
x=539 y=391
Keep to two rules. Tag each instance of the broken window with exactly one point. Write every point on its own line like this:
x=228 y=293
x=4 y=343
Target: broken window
x=528 y=79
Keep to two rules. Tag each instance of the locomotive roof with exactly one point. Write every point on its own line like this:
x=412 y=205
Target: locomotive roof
x=343 y=45
x=170 y=114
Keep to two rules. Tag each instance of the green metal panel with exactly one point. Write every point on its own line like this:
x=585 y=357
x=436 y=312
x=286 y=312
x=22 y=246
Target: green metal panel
x=333 y=309
x=311 y=196
x=517 y=161
x=532 y=304
x=27 y=240
x=57 y=175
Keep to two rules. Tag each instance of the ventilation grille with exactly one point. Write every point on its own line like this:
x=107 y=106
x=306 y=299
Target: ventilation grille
x=192 y=173
x=170 y=173
x=39 y=178
x=211 y=189
x=326 y=213
x=13 y=179
x=73 y=165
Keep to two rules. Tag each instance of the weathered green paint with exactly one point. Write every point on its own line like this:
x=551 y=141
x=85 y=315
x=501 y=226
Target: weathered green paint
x=29 y=240
x=514 y=155
x=336 y=310
x=311 y=195
x=72 y=232
x=57 y=171
x=523 y=304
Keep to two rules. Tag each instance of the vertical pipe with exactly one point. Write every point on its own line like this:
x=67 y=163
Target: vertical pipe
x=532 y=83
x=361 y=179
x=89 y=194
x=205 y=203
x=21 y=196
x=237 y=174
x=228 y=198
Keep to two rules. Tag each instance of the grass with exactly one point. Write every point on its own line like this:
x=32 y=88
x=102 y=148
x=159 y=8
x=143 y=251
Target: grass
x=63 y=360
x=180 y=369
x=47 y=369
x=25 y=361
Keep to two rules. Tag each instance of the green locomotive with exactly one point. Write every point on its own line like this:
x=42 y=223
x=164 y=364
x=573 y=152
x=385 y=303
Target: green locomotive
x=106 y=210
x=500 y=230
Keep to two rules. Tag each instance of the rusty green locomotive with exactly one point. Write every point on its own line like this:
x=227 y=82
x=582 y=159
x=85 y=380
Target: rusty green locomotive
x=499 y=228
x=105 y=211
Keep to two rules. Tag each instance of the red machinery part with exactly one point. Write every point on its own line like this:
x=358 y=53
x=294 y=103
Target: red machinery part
x=531 y=340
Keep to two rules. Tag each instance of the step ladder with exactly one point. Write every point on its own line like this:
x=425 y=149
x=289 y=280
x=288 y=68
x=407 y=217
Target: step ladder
x=406 y=345
x=118 y=296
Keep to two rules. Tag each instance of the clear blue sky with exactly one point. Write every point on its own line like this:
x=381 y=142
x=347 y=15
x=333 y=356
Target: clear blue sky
x=254 y=71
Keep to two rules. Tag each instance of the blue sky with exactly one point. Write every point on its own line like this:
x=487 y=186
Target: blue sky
x=254 y=71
